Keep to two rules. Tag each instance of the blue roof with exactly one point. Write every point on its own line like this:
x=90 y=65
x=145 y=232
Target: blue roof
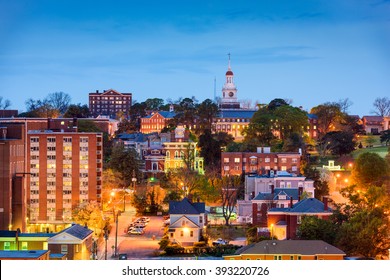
x=78 y=231
x=136 y=137
x=308 y=205
x=165 y=114
x=17 y=254
x=247 y=114
x=186 y=207
x=312 y=116
x=278 y=191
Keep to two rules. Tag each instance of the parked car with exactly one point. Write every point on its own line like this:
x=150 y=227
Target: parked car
x=136 y=231
x=139 y=225
x=220 y=241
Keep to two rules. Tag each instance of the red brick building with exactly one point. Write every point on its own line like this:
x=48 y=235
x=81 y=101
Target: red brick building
x=156 y=121
x=283 y=223
x=260 y=162
x=109 y=103
x=45 y=174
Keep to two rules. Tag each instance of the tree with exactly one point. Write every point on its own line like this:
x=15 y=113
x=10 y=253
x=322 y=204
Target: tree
x=329 y=115
x=206 y=112
x=89 y=214
x=273 y=123
x=382 y=106
x=370 y=169
x=4 y=104
x=385 y=136
x=313 y=228
x=366 y=228
x=40 y=109
x=186 y=111
x=77 y=111
x=125 y=161
x=320 y=182
x=339 y=142
x=59 y=101
x=229 y=187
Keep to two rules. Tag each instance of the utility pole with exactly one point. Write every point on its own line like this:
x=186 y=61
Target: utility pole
x=105 y=238
x=116 y=235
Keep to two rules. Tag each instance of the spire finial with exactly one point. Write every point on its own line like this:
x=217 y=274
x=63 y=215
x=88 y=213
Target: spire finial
x=229 y=61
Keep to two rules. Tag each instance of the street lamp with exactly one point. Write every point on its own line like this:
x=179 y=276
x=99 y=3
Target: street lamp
x=105 y=238
x=116 y=234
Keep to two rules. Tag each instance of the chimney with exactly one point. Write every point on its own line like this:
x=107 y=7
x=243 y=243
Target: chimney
x=171 y=108
x=300 y=191
x=254 y=213
x=272 y=189
x=325 y=201
x=97 y=91
x=291 y=202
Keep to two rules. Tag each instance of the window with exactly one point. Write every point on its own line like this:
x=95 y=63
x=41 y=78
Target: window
x=191 y=233
x=277 y=257
x=284 y=160
x=171 y=234
x=67 y=139
x=24 y=246
x=181 y=233
x=237 y=160
x=267 y=159
x=7 y=246
x=200 y=219
x=34 y=139
x=226 y=160
x=64 y=249
x=299 y=219
x=51 y=139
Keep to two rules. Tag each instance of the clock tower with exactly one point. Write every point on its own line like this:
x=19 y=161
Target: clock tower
x=229 y=91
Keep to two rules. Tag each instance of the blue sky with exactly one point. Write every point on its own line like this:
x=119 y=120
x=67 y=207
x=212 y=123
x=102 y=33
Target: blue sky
x=308 y=51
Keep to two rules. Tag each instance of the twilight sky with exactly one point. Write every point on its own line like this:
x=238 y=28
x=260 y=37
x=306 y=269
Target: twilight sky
x=308 y=51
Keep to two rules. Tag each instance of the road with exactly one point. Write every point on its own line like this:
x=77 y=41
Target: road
x=135 y=246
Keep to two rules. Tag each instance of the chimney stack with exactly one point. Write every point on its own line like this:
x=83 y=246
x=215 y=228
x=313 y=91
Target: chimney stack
x=325 y=201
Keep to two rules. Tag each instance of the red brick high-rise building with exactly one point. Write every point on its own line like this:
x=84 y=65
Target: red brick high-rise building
x=109 y=103
x=46 y=173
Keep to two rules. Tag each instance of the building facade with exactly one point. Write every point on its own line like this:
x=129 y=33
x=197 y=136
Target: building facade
x=45 y=173
x=156 y=121
x=288 y=250
x=260 y=162
x=187 y=221
x=65 y=171
x=109 y=103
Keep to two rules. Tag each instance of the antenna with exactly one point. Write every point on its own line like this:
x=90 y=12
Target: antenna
x=215 y=89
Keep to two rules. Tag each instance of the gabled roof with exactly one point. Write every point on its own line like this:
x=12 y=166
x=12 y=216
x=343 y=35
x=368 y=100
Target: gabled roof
x=373 y=118
x=71 y=235
x=308 y=205
x=178 y=223
x=296 y=247
x=186 y=207
x=278 y=191
x=247 y=114
x=164 y=114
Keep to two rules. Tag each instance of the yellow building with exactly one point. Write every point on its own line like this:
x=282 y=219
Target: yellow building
x=288 y=250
